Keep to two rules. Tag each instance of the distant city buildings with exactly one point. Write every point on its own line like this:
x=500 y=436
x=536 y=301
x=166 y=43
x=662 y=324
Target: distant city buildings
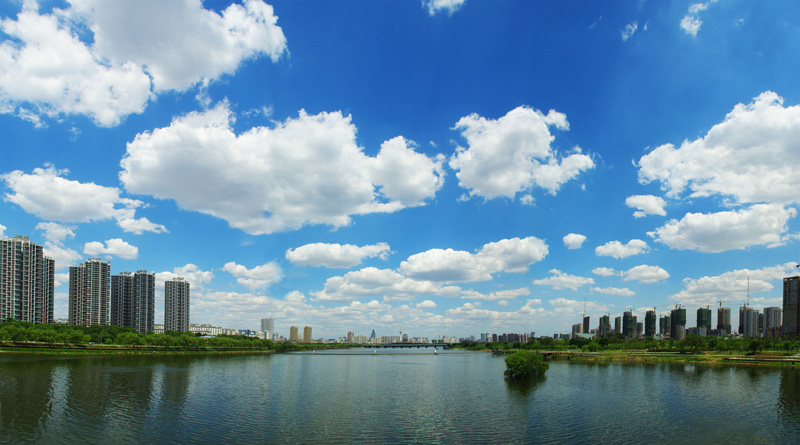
x=89 y=293
x=133 y=300
x=307 y=334
x=26 y=281
x=293 y=334
x=176 y=305
x=268 y=324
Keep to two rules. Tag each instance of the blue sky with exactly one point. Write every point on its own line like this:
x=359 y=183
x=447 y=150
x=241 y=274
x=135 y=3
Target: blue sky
x=437 y=168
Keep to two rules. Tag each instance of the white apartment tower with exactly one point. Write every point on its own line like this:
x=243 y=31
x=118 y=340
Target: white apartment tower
x=26 y=281
x=268 y=324
x=176 y=305
x=89 y=295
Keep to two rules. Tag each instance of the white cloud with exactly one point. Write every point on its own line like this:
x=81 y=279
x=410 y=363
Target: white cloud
x=760 y=224
x=47 y=194
x=335 y=255
x=628 y=31
x=55 y=232
x=560 y=280
x=645 y=274
x=449 y=6
x=618 y=250
x=622 y=292
x=2 y=230
x=114 y=246
x=63 y=256
x=447 y=265
x=276 y=179
x=135 y=45
x=743 y=157
x=574 y=240
x=372 y=282
x=258 y=277
x=731 y=287
x=564 y=306
x=604 y=271
x=691 y=21
x=196 y=277
x=512 y=154
x=646 y=205
x=509 y=294
x=427 y=304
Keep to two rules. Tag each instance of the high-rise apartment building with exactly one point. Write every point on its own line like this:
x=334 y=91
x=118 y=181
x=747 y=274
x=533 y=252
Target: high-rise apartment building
x=133 y=298
x=724 y=320
x=617 y=325
x=678 y=324
x=628 y=324
x=749 y=322
x=586 y=322
x=176 y=305
x=605 y=326
x=26 y=281
x=307 y=334
x=773 y=319
x=268 y=324
x=577 y=328
x=293 y=334
x=791 y=307
x=650 y=323
x=704 y=320
x=665 y=325
x=89 y=293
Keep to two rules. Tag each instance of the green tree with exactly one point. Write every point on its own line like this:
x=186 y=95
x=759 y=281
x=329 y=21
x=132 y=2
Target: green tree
x=523 y=365
x=755 y=345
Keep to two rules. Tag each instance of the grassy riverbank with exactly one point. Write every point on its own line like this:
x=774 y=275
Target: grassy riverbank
x=769 y=358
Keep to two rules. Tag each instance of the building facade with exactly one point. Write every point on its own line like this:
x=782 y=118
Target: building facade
x=268 y=324
x=650 y=323
x=605 y=326
x=26 y=281
x=677 y=324
x=724 y=320
x=176 y=305
x=89 y=293
x=133 y=298
x=773 y=319
x=307 y=334
x=629 y=324
x=704 y=320
x=791 y=307
x=750 y=322
x=293 y=334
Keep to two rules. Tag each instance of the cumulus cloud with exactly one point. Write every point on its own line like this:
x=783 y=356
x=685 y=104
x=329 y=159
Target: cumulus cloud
x=564 y=306
x=138 y=49
x=258 y=277
x=269 y=180
x=56 y=232
x=63 y=256
x=191 y=273
x=373 y=282
x=447 y=265
x=691 y=22
x=427 y=304
x=629 y=31
x=618 y=250
x=622 y=292
x=114 y=247
x=449 y=6
x=335 y=255
x=509 y=294
x=560 y=280
x=645 y=274
x=646 y=205
x=760 y=224
x=574 y=240
x=604 y=271
x=47 y=194
x=743 y=157
x=2 y=230
x=513 y=154
x=731 y=287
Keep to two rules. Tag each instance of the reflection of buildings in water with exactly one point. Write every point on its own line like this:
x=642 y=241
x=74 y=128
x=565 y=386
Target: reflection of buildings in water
x=789 y=398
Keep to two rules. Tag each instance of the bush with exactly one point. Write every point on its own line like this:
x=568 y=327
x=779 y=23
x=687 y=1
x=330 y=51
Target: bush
x=523 y=365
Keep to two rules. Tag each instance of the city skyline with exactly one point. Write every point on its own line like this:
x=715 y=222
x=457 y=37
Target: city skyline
x=446 y=168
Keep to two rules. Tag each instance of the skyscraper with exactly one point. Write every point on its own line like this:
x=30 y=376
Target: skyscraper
x=89 y=293
x=629 y=324
x=26 y=281
x=133 y=299
x=773 y=318
x=650 y=324
x=586 y=324
x=617 y=325
x=791 y=306
x=307 y=334
x=268 y=324
x=293 y=334
x=704 y=319
x=176 y=305
x=724 y=320
x=678 y=324
x=749 y=322
x=605 y=326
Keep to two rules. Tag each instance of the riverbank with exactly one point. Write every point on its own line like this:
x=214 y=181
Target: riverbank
x=82 y=349
x=763 y=359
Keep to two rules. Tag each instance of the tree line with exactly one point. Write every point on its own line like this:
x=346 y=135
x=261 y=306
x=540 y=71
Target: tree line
x=60 y=334
x=619 y=342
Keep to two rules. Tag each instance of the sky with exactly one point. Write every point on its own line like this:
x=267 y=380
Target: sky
x=436 y=168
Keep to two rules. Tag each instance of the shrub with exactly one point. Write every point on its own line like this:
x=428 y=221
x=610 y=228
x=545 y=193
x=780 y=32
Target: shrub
x=523 y=365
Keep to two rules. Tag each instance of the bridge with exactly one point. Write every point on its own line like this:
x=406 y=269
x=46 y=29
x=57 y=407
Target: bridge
x=407 y=345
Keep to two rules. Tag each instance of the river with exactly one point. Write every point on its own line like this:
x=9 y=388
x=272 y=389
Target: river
x=358 y=396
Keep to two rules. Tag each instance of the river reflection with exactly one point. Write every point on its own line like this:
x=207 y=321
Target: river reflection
x=387 y=398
